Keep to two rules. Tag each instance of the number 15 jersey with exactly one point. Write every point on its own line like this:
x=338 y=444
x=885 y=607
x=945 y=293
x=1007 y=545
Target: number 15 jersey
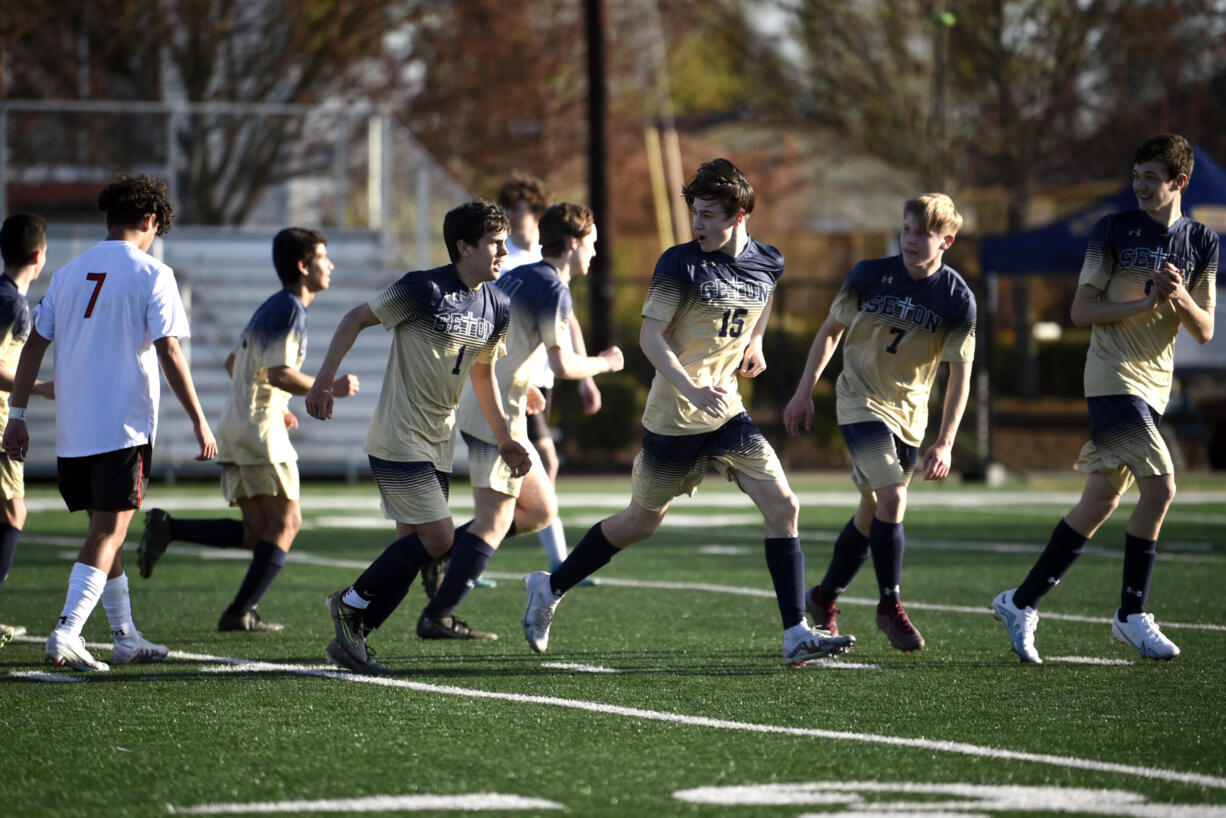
x=440 y=329
x=711 y=303
x=899 y=330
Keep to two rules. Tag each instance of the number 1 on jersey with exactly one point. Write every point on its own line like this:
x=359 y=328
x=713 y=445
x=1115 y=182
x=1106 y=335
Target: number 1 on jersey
x=93 y=299
x=459 y=359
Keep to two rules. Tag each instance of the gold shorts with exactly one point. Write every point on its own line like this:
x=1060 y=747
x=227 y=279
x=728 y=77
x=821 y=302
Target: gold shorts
x=1124 y=442
x=412 y=493
x=264 y=480
x=12 y=478
x=879 y=458
x=487 y=469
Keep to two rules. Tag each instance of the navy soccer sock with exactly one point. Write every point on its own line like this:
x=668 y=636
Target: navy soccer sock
x=1139 y=556
x=887 y=542
x=386 y=580
x=8 y=549
x=786 y=563
x=220 y=533
x=469 y=556
x=592 y=553
x=1062 y=550
x=850 y=551
x=266 y=562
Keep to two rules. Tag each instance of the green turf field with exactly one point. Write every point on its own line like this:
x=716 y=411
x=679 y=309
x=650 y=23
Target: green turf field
x=663 y=691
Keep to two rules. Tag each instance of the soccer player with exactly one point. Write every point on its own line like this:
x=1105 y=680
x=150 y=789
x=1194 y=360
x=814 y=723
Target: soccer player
x=114 y=314
x=23 y=245
x=505 y=504
x=259 y=464
x=902 y=315
x=706 y=311
x=1146 y=273
x=447 y=327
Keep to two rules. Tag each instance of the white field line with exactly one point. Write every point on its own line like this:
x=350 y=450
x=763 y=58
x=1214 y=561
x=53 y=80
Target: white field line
x=578 y=668
x=378 y=803
x=306 y=558
x=961 y=748
x=1086 y=660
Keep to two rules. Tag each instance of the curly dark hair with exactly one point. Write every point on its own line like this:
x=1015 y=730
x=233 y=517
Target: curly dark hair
x=128 y=199
x=722 y=181
x=522 y=187
x=469 y=222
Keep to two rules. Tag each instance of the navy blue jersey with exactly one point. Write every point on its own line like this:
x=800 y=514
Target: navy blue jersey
x=15 y=327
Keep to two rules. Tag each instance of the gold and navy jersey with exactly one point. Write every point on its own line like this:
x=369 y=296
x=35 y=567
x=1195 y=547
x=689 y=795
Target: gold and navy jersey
x=252 y=430
x=440 y=329
x=899 y=330
x=710 y=302
x=540 y=315
x=15 y=327
x=1136 y=356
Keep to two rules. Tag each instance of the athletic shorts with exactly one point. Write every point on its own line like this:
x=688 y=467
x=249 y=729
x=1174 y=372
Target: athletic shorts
x=538 y=424
x=487 y=469
x=1124 y=441
x=411 y=492
x=879 y=458
x=12 y=478
x=671 y=465
x=239 y=482
x=110 y=481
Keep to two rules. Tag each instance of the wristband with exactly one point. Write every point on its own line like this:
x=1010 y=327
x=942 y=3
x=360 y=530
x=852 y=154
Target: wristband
x=17 y=413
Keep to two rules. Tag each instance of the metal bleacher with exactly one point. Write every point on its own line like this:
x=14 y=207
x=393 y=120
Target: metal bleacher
x=224 y=273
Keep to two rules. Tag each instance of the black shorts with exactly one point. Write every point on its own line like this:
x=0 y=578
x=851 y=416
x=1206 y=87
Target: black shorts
x=538 y=424
x=110 y=481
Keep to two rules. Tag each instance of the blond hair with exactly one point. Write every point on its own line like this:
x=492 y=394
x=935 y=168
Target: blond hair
x=934 y=212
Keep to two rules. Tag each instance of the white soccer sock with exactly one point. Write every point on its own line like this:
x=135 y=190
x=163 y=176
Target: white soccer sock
x=85 y=586
x=553 y=541
x=118 y=606
x=354 y=600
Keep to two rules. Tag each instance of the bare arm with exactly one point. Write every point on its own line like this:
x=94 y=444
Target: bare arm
x=16 y=435
x=711 y=399
x=589 y=393
x=319 y=396
x=296 y=383
x=1195 y=319
x=1091 y=307
x=753 y=362
x=939 y=455
x=44 y=389
x=230 y=364
x=799 y=411
x=486 y=390
x=572 y=366
x=174 y=367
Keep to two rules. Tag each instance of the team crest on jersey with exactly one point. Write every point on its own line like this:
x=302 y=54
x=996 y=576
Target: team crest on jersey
x=456 y=298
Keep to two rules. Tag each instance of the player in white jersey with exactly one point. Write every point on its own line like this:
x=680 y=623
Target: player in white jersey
x=1147 y=272
x=23 y=244
x=259 y=464
x=540 y=313
x=902 y=316
x=114 y=314
x=448 y=326
x=703 y=322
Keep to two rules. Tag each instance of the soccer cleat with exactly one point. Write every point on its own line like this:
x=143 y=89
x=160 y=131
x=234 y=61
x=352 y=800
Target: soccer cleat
x=1021 y=623
x=482 y=582
x=350 y=631
x=824 y=619
x=1142 y=633
x=448 y=626
x=339 y=656
x=133 y=648
x=246 y=620
x=542 y=602
x=814 y=645
x=154 y=541
x=432 y=574
x=898 y=629
x=10 y=632
x=67 y=650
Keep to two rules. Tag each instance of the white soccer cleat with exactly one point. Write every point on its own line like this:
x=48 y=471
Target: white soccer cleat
x=542 y=602
x=1021 y=623
x=133 y=648
x=1142 y=633
x=67 y=650
x=803 y=645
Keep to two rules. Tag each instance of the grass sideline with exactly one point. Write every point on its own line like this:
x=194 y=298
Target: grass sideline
x=663 y=691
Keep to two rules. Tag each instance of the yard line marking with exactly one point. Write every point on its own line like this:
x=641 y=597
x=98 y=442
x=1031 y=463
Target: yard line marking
x=379 y=803
x=1087 y=660
x=961 y=748
x=579 y=668
x=41 y=676
x=839 y=664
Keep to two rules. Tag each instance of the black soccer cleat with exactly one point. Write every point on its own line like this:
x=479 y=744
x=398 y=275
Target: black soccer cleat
x=448 y=626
